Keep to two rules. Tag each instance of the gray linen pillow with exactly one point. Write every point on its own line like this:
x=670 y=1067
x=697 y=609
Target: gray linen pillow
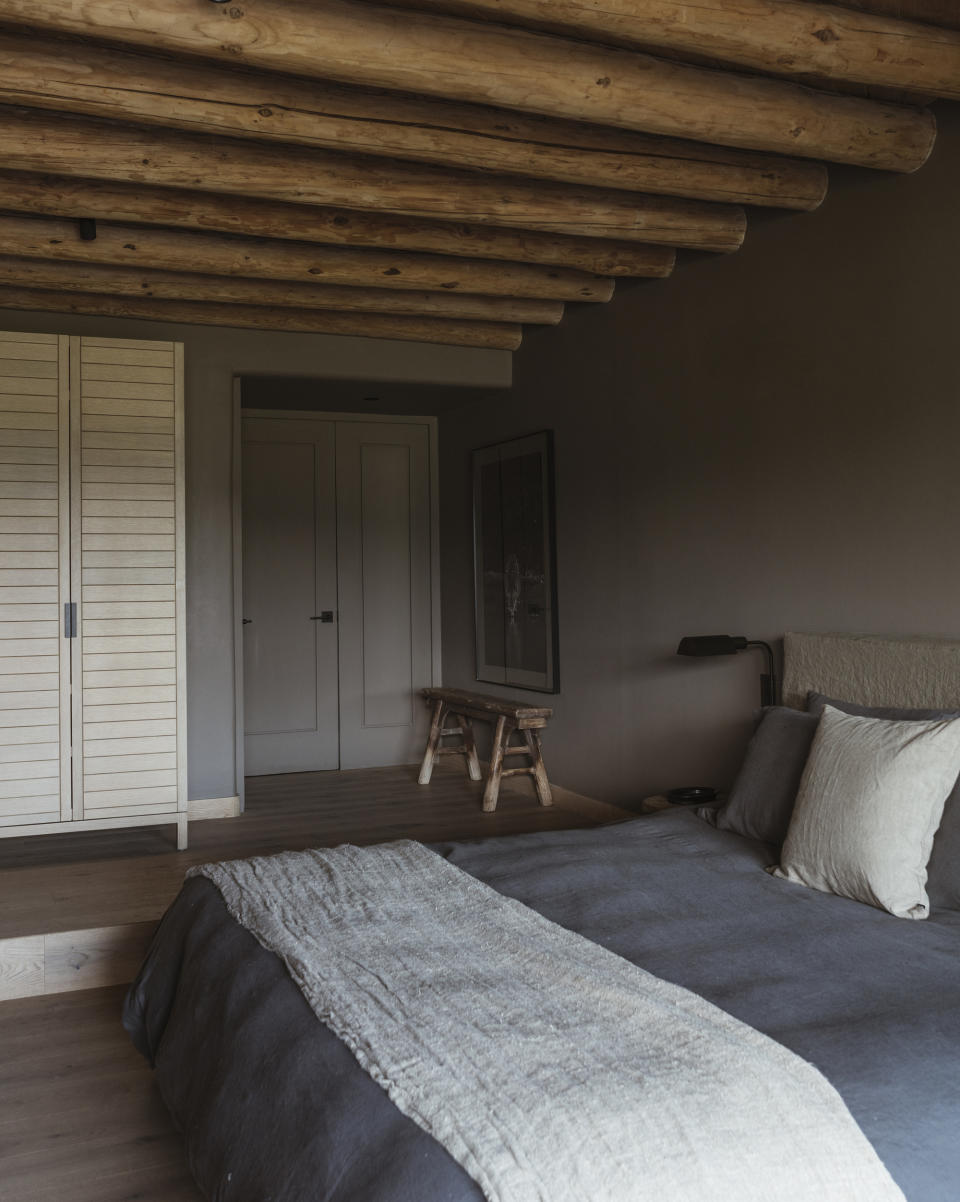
x=868 y=805
x=943 y=871
x=761 y=800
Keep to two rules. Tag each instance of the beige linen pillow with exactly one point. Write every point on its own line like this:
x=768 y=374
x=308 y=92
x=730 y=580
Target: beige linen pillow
x=869 y=804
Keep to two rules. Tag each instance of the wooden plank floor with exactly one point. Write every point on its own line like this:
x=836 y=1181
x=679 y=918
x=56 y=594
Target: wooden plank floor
x=80 y=1117
x=101 y=878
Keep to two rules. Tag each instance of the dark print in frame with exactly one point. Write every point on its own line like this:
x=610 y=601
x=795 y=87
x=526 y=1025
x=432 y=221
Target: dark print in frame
x=515 y=586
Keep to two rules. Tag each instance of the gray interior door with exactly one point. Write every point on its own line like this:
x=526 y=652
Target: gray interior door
x=289 y=596
x=384 y=571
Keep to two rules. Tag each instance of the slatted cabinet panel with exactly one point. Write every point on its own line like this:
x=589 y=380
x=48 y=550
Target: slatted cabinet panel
x=127 y=553
x=34 y=580
x=93 y=727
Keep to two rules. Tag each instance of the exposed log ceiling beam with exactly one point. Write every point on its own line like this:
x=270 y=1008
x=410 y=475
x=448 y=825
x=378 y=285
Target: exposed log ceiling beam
x=221 y=254
x=491 y=335
x=59 y=196
x=783 y=37
x=462 y=60
x=945 y=13
x=37 y=141
x=199 y=97
x=170 y=285
x=440 y=177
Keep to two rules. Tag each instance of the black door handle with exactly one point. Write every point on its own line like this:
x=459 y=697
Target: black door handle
x=246 y=621
x=325 y=616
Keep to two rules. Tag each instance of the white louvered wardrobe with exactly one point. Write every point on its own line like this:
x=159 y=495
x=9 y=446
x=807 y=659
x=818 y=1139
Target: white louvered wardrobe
x=92 y=647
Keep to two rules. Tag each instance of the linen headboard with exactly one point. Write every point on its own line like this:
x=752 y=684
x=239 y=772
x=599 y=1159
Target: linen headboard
x=908 y=671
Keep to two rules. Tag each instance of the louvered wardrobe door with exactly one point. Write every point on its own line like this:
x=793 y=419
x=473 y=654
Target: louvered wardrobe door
x=127 y=549
x=34 y=580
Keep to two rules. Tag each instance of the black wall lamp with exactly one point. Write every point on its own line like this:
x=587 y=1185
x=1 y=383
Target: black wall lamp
x=730 y=644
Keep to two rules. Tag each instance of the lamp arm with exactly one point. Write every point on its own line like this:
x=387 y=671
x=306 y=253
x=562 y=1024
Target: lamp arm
x=768 y=682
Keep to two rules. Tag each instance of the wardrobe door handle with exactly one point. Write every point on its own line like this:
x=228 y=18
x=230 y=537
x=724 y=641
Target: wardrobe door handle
x=325 y=616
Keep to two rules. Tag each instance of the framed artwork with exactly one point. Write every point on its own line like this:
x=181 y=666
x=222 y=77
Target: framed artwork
x=515 y=585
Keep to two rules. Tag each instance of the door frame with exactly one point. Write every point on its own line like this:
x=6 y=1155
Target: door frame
x=239 y=413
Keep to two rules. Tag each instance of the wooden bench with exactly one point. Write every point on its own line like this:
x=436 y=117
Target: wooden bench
x=509 y=716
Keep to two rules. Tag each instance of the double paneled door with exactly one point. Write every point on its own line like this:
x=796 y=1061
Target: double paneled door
x=337 y=592
x=92 y=669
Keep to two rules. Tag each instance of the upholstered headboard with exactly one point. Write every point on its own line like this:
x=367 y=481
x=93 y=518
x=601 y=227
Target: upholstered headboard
x=870 y=669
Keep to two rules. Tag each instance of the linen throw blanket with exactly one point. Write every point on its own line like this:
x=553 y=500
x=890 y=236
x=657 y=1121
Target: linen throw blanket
x=551 y=1069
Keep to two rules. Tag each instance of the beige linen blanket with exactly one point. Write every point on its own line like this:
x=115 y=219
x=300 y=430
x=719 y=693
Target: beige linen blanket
x=551 y=1069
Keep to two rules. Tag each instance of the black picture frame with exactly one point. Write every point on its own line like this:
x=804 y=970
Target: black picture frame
x=515 y=563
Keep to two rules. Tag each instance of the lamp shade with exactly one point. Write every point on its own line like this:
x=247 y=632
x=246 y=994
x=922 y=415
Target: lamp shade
x=712 y=644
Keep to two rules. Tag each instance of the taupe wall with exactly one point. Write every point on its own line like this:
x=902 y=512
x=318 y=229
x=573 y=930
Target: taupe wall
x=767 y=442
x=213 y=357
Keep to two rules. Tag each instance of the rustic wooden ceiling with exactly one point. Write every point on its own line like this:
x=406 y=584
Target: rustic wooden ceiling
x=440 y=171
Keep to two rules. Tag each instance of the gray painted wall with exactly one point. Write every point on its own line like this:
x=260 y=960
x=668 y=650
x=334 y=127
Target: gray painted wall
x=213 y=357
x=767 y=442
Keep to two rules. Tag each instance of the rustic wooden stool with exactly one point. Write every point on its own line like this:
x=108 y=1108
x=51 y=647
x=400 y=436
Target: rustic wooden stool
x=510 y=716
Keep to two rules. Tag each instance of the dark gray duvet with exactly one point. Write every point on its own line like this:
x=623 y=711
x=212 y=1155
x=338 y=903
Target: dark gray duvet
x=275 y=1109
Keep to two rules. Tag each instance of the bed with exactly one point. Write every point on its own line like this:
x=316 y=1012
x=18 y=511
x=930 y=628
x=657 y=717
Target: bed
x=273 y=1105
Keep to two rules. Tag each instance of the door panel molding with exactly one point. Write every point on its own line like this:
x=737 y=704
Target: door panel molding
x=383 y=507
x=289 y=500
x=431 y=601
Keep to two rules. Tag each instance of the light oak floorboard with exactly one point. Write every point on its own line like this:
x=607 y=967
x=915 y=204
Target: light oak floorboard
x=80 y=1116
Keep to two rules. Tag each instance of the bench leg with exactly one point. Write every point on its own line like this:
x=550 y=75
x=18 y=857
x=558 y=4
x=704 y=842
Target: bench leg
x=182 y=832
x=544 y=796
x=433 y=742
x=470 y=746
x=492 y=790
